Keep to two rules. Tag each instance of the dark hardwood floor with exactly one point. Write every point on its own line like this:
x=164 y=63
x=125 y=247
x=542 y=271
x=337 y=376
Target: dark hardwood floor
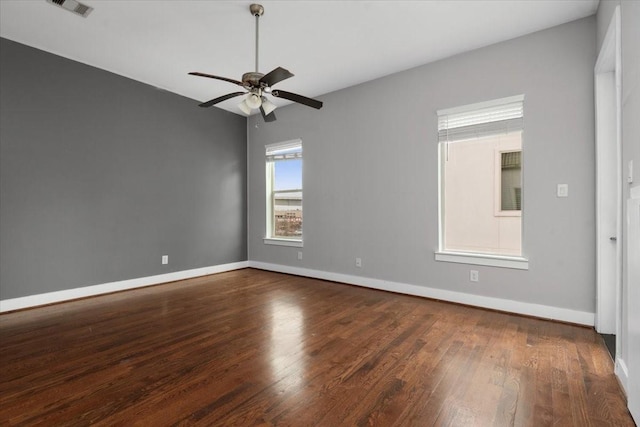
x=257 y=348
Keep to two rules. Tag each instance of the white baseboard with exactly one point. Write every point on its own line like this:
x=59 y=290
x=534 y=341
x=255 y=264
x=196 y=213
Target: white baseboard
x=537 y=310
x=622 y=373
x=529 y=309
x=87 y=291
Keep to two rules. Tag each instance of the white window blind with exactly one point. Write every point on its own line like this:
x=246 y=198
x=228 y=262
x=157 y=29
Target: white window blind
x=479 y=120
x=284 y=150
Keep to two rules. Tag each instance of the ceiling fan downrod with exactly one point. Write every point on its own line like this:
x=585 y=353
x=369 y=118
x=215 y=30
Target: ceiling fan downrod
x=257 y=10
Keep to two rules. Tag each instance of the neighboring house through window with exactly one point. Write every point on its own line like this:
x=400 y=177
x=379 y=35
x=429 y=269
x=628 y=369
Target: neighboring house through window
x=284 y=193
x=481 y=188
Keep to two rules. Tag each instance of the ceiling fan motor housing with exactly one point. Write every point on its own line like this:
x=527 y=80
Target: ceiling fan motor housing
x=252 y=78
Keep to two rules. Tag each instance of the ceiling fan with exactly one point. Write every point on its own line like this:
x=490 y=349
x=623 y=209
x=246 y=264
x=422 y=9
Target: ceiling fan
x=258 y=85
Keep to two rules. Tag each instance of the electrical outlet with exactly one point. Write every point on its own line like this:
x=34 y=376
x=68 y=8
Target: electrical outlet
x=474 y=276
x=562 y=190
x=359 y=262
x=165 y=259
x=299 y=254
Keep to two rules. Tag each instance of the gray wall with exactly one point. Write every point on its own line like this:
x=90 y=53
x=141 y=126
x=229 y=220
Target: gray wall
x=630 y=46
x=100 y=176
x=603 y=17
x=371 y=179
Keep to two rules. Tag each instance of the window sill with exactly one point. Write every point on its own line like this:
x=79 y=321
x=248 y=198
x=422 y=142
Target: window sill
x=518 y=263
x=282 y=242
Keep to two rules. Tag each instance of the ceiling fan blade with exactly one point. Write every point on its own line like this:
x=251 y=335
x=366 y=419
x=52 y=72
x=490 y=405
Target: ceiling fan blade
x=211 y=76
x=313 y=103
x=271 y=117
x=220 y=99
x=274 y=76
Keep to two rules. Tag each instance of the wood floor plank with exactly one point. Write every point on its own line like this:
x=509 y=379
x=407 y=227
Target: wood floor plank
x=251 y=347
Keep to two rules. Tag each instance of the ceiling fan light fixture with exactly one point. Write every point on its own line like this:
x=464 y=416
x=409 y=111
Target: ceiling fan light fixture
x=267 y=106
x=253 y=101
x=244 y=107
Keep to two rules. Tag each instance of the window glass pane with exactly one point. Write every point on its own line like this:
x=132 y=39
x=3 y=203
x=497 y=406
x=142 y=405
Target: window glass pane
x=471 y=195
x=287 y=199
x=288 y=215
x=510 y=181
x=288 y=174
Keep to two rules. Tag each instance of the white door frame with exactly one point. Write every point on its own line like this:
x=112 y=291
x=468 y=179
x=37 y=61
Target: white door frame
x=608 y=166
x=632 y=385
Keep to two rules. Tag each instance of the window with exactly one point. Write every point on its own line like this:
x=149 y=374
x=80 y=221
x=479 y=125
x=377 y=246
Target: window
x=508 y=183
x=284 y=193
x=481 y=156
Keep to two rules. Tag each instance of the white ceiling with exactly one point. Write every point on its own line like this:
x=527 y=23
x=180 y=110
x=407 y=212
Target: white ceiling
x=328 y=45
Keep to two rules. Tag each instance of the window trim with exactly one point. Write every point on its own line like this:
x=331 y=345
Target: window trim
x=283 y=242
x=503 y=261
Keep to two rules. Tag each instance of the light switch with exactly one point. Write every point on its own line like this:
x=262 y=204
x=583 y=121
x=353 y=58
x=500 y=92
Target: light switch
x=563 y=190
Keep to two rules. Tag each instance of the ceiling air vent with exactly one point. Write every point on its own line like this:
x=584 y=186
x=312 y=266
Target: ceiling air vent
x=73 y=6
